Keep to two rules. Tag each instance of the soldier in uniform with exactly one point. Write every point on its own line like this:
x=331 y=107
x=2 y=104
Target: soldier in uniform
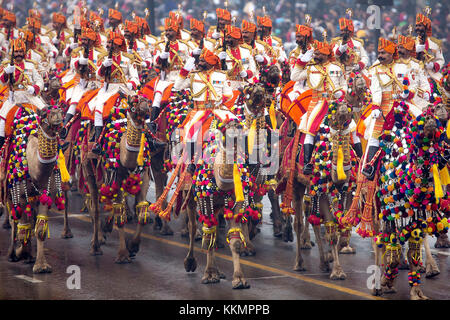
x=428 y=49
x=84 y=60
x=218 y=32
x=198 y=41
x=385 y=87
x=249 y=38
x=119 y=75
x=272 y=44
x=240 y=65
x=8 y=31
x=136 y=45
x=348 y=48
x=24 y=82
x=326 y=79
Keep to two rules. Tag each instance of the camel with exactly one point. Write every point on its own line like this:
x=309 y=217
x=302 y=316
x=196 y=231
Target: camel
x=31 y=197
x=130 y=147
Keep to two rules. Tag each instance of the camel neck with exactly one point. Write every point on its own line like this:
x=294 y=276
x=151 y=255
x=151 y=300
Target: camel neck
x=133 y=135
x=47 y=147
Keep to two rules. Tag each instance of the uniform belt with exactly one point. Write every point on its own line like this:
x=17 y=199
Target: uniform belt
x=202 y=105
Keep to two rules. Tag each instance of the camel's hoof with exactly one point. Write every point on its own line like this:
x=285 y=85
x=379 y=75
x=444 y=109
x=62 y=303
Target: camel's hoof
x=158 y=224
x=277 y=230
x=299 y=267
x=42 y=268
x=254 y=232
x=107 y=226
x=240 y=284
x=306 y=245
x=102 y=240
x=132 y=247
x=12 y=257
x=442 y=243
x=431 y=271
x=338 y=275
x=211 y=276
x=377 y=292
x=222 y=275
x=95 y=250
x=28 y=258
x=347 y=250
x=123 y=258
x=417 y=294
x=190 y=264
x=389 y=290
x=66 y=234
x=166 y=231
x=325 y=267
x=184 y=233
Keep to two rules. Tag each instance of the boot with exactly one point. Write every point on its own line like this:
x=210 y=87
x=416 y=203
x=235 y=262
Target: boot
x=97 y=148
x=65 y=131
x=369 y=170
x=307 y=154
x=358 y=149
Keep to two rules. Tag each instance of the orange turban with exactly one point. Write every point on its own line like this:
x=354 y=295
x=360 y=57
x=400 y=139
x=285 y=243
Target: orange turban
x=132 y=27
x=18 y=44
x=424 y=20
x=33 y=13
x=210 y=58
x=233 y=31
x=118 y=39
x=176 y=16
x=224 y=14
x=9 y=16
x=88 y=33
x=143 y=25
x=34 y=23
x=170 y=24
x=59 y=18
x=324 y=47
x=387 y=46
x=407 y=42
x=93 y=17
x=114 y=14
x=264 y=21
x=248 y=26
x=345 y=23
x=29 y=36
x=197 y=25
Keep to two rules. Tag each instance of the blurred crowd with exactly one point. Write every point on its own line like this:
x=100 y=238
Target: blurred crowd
x=285 y=14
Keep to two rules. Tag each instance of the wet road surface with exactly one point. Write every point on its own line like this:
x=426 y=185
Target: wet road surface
x=157 y=272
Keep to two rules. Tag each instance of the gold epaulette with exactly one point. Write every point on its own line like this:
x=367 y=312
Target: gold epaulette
x=336 y=39
x=261 y=42
x=246 y=46
x=213 y=41
x=129 y=56
x=278 y=40
x=375 y=65
x=211 y=29
x=102 y=55
x=101 y=50
x=187 y=31
x=41 y=54
x=153 y=37
x=69 y=32
x=76 y=51
x=185 y=42
x=143 y=41
x=437 y=41
x=221 y=71
x=295 y=51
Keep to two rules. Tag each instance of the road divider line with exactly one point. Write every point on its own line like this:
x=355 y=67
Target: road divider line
x=27 y=278
x=255 y=265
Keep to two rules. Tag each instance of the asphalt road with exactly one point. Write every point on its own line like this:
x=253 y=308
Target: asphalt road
x=157 y=271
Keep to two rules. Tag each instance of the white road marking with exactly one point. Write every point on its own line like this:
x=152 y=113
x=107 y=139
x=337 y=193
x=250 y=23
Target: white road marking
x=271 y=277
x=440 y=252
x=27 y=278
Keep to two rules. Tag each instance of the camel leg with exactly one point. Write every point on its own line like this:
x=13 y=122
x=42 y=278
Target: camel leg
x=12 y=247
x=6 y=224
x=66 y=233
x=442 y=241
x=377 y=253
x=332 y=236
x=142 y=213
x=160 y=182
x=391 y=262
x=306 y=242
x=212 y=273
x=276 y=213
x=324 y=259
x=432 y=268
x=190 y=263
x=93 y=208
x=344 y=242
x=238 y=281
x=298 y=226
x=41 y=265
x=120 y=216
x=414 y=260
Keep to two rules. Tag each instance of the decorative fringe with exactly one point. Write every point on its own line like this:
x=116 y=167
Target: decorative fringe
x=65 y=176
x=351 y=217
x=238 y=189
x=241 y=235
x=365 y=228
x=438 y=192
x=211 y=232
x=445 y=178
x=26 y=231
x=140 y=158
x=273 y=118
x=448 y=130
x=340 y=165
x=165 y=214
x=156 y=207
x=251 y=137
x=286 y=205
x=142 y=210
x=45 y=228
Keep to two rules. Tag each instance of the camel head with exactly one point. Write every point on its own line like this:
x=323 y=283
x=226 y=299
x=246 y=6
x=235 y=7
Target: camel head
x=341 y=115
x=146 y=75
x=441 y=112
x=51 y=88
x=139 y=109
x=50 y=119
x=285 y=73
x=255 y=98
x=270 y=77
